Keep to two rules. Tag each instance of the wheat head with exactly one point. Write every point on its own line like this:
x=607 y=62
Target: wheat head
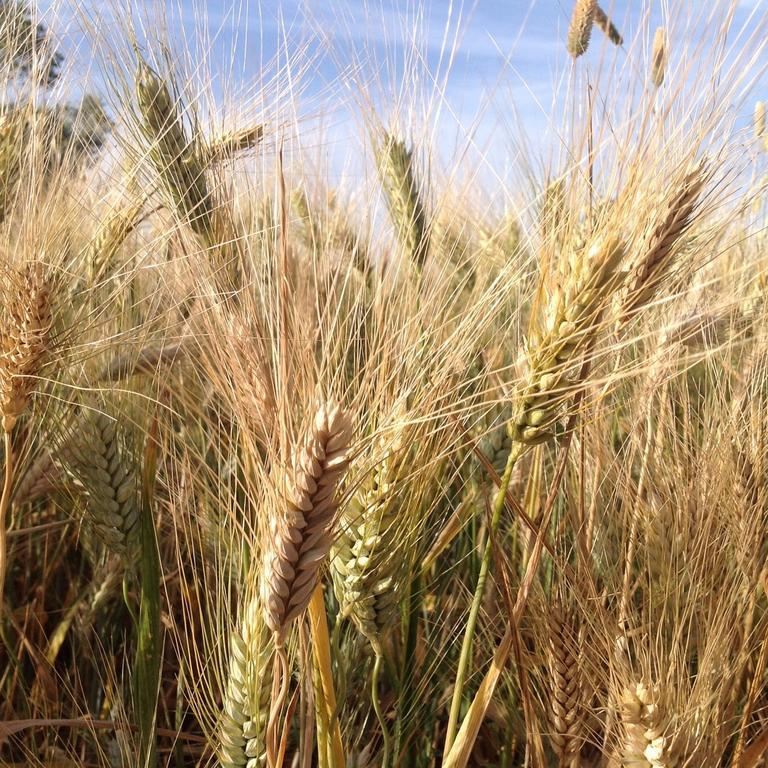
x=302 y=533
x=25 y=337
x=580 y=29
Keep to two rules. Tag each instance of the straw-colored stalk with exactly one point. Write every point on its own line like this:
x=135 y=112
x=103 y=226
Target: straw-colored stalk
x=610 y=30
x=659 y=57
x=404 y=199
x=580 y=29
x=760 y=134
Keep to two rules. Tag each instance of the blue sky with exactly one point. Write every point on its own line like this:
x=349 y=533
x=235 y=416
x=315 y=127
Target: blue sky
x=509 y=61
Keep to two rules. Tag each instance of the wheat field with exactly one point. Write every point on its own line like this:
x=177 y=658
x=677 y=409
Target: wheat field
x=387 y=462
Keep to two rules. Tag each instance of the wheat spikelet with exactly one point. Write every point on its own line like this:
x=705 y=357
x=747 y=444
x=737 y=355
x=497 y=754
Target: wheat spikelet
x=567 y=734
x=398 y=177
x=552 y=361
x=112 y=233
x=93 y=454
x=580 y=28
x=603 y=21
x=658 y=248
x=242 y=729
x=369 y=563
x=226 y=147
x=301 y=535
x=25 y=337
x=175 y=157
x=659 y=57
x=41 y=477
x=644 y=744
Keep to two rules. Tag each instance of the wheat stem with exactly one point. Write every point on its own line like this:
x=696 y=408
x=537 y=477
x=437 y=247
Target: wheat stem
x=321 y=652
x=477 y=599
x=375 y=676
x=5 y=503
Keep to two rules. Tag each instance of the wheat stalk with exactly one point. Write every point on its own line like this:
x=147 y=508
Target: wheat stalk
x=580 y=29
x=603 y=21
x=406 y=207
x=302 y=533
x=659 y=57
x=567 y=714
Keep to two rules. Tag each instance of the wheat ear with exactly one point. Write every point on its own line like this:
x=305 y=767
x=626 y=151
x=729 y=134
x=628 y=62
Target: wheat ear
x=227 y=146
x=369 y=568
x=567 y=713
x=176 y=158
x=644 y=744
x=610 y=30
x=93 y=454
x=25 y=337
x=406 y=207
x=580 y=29
x=553 y=362
x=659 y=57
x=658 y=248
x=301 y=535
x=242 y=729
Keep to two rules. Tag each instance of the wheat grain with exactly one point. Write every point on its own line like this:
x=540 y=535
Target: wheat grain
x=580 y=28
x=226 y=147
x=644 y=744
x=301 y=534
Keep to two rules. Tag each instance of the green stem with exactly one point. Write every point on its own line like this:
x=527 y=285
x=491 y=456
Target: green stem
x=377 y=709
x=406 y=674
x=477 y=599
